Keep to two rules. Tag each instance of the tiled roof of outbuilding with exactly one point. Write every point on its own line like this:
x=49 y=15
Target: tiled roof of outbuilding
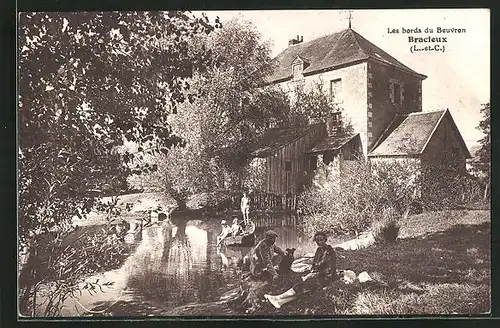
x=334 y=142
x=412 y=135
x=274 y=139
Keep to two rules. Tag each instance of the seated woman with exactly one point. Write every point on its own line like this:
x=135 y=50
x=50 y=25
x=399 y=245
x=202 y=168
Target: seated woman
x=226 y=231
x=322 y=271
x=236 y=229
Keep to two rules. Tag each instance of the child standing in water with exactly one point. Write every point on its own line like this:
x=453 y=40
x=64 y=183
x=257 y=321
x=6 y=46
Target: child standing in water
x=245 y=208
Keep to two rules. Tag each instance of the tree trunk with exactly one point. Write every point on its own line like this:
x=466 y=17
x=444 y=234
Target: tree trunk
x=181 y=204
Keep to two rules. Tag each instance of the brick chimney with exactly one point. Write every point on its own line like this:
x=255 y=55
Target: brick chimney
x=334 y=124
x=298 y=40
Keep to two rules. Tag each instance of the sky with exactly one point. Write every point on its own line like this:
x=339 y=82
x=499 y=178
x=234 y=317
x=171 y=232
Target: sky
x=458 y=78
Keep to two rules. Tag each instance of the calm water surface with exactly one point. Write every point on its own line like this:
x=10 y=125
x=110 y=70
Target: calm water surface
x=174 y=265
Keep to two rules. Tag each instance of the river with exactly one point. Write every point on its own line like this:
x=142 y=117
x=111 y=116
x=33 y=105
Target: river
x=178 y=264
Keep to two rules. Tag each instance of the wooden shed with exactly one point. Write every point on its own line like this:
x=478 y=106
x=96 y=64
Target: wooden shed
x=288 y=166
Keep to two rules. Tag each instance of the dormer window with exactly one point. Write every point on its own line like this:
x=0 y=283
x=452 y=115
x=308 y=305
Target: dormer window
x=297 y=71
x=298 y=66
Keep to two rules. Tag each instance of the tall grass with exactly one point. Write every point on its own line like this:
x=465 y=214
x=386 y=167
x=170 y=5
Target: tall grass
x=386 y=229
x=350 y=201
x=438 y=299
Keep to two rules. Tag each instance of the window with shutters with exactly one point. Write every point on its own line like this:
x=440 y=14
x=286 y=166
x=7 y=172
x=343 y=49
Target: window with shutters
x=396 y=90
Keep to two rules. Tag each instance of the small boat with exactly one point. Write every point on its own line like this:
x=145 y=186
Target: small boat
x=247 y=239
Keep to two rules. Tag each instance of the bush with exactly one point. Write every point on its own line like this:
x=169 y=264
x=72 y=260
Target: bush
x=386 y=230
x=350 y=202
x=443 y=188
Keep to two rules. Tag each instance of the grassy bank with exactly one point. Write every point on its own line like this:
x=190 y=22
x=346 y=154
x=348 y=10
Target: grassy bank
x=441 y=266
x=432 y=222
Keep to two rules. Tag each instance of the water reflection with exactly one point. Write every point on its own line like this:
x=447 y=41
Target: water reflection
x=182 y=267
x=232 y=257
x=176 y=263
x=289 y=233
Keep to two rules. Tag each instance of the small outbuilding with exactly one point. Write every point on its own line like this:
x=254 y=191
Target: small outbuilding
x=292 y=156
x=428 y=141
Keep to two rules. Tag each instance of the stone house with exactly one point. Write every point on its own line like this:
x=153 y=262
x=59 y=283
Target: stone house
x=381 y=97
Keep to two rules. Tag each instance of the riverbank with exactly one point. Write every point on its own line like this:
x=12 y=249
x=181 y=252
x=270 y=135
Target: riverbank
x=439 y=265
x=436 y=268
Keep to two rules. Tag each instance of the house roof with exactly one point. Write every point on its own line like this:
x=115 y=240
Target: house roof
x=412 y=134
x=274 y=139
x=393 y=124
x=333 y=143
x=331 y=51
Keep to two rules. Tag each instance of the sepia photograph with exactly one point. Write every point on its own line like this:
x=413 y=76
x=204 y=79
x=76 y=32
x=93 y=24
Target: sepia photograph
x=253 y=163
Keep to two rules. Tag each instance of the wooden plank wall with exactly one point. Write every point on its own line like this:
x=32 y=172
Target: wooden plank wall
x=278 y=180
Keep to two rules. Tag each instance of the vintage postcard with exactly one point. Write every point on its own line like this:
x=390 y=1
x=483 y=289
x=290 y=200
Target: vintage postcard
x=241 y=164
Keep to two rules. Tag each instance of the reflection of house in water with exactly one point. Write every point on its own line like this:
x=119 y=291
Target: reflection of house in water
x=288 y=237
x=285 y=225
x=274 y=219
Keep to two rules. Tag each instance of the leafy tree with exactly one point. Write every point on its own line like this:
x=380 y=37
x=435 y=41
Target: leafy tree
x=314 y=103
x=228 y=113
x=483 y=165
x=88 y=81
x=237 y=108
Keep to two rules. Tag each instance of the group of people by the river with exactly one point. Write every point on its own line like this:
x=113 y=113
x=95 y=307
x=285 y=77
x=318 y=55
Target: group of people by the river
x=266 y=256
x=229 y=230
x=236 y=228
